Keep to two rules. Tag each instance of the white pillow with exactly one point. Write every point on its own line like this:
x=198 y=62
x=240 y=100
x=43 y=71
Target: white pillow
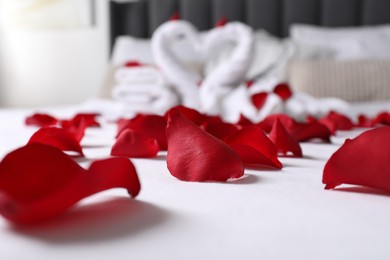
x=348 y=43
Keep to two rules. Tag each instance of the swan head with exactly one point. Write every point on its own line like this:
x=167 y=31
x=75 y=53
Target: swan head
x=179 y=30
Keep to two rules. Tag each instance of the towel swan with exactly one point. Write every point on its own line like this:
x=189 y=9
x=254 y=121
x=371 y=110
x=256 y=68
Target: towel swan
x=184 y=79
x=231 y=72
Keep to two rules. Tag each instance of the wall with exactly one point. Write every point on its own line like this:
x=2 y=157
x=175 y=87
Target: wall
x=47 y=67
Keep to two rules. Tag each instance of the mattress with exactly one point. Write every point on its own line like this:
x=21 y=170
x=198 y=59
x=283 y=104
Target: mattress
x=283 y=214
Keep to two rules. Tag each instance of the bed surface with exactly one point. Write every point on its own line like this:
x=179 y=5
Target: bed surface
x=283 y=214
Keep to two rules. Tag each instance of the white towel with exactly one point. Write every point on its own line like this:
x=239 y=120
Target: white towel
x=231 y=72
x=142 y=74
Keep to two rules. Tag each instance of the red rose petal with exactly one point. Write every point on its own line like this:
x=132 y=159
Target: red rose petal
x=41 y=120
x=38 y=182
x=77 y=131
x=133 y=144
x=133 y=64
x=220 y=130
x=269 y=121
x=57 y=137
x=259 y=99
x=191 y=114
x=382 y=118
x=311 y=130
x=364 y=121
x=175 y=16
x=88 y=118
x=361 y=161
x=221 y=22
x=243 y=121
x=254 y=147
x=194 y=155
x=149 y=125
x=283 y=91
x=249 y=83
x=283 y=141
x=336 y=121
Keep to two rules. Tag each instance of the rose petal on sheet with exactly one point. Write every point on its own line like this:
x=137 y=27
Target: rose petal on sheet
x=57 y=137
x=254 y=147
x=220 y=130
x=244 y=122
x=361 y=161
x=191 y=114
x=77 y=131
x=382 y=118
x=310 y=130
x=133 y=144
x=41 y=120
x=269 y=121
x=194 y=155
x=259 y=99
x=88 y=118
x=283 y=141
x=336 y=121
x=39 y=182
x=283 y=91
x=152 y=126
x=133 y=64
x=365 y=121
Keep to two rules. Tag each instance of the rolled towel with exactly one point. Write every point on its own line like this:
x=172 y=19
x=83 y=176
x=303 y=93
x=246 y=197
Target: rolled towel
x=141 y=74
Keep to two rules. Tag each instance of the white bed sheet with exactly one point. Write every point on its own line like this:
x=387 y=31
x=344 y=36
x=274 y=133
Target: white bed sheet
x=283 y=214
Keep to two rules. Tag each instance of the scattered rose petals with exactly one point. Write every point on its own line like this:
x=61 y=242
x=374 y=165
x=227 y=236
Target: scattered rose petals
x=361 y=161
x=283 y=141
x=41 y=120
x=194 y=155
x=364 y=121
x=39 y=182
x=336 y=121
x=254 y=147
x=191 y=114
x=148 y=125
x=133 y=144
x=57 y=137
x=259 y=99
x=88 y=118
x=283 y=91
x=220 y=130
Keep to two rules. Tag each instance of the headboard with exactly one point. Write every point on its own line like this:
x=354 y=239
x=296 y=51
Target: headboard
x=140 y=18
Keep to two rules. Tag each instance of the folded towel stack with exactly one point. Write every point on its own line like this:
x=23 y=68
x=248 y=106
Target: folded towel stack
x=142 y=89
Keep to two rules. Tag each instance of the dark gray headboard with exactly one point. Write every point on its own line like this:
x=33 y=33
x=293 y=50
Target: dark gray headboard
x=140 y=18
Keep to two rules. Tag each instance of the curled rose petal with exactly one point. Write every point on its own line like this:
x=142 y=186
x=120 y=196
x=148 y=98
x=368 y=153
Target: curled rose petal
x=283 y=91
x=259 y=99
x=41 y=120
x=254 y=147
x=243 y=121
x=361 y=161
x=148 y=125
x=133 y=144
x=382 y=118
x=269 y=121
x=88 y=118
x=283 y=141
x=191 y=114
x=39 y=182
x=194 y=155
x=336 y=121
x=310 y=130
x=220 y=130
x=57 y=137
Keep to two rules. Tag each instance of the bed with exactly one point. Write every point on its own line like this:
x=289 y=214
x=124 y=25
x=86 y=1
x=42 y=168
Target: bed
x=283 y=214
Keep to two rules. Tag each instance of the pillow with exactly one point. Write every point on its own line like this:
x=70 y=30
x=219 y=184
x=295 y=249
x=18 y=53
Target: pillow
x=362 y=80
x=348 y=43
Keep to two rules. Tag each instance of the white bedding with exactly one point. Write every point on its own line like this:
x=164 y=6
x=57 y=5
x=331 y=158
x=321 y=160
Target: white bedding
x=283 y=214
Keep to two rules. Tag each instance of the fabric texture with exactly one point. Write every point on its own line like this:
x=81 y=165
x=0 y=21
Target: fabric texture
x=362 y=80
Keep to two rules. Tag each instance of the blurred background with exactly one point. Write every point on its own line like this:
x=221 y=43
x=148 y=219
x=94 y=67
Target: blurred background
x=52 y=51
